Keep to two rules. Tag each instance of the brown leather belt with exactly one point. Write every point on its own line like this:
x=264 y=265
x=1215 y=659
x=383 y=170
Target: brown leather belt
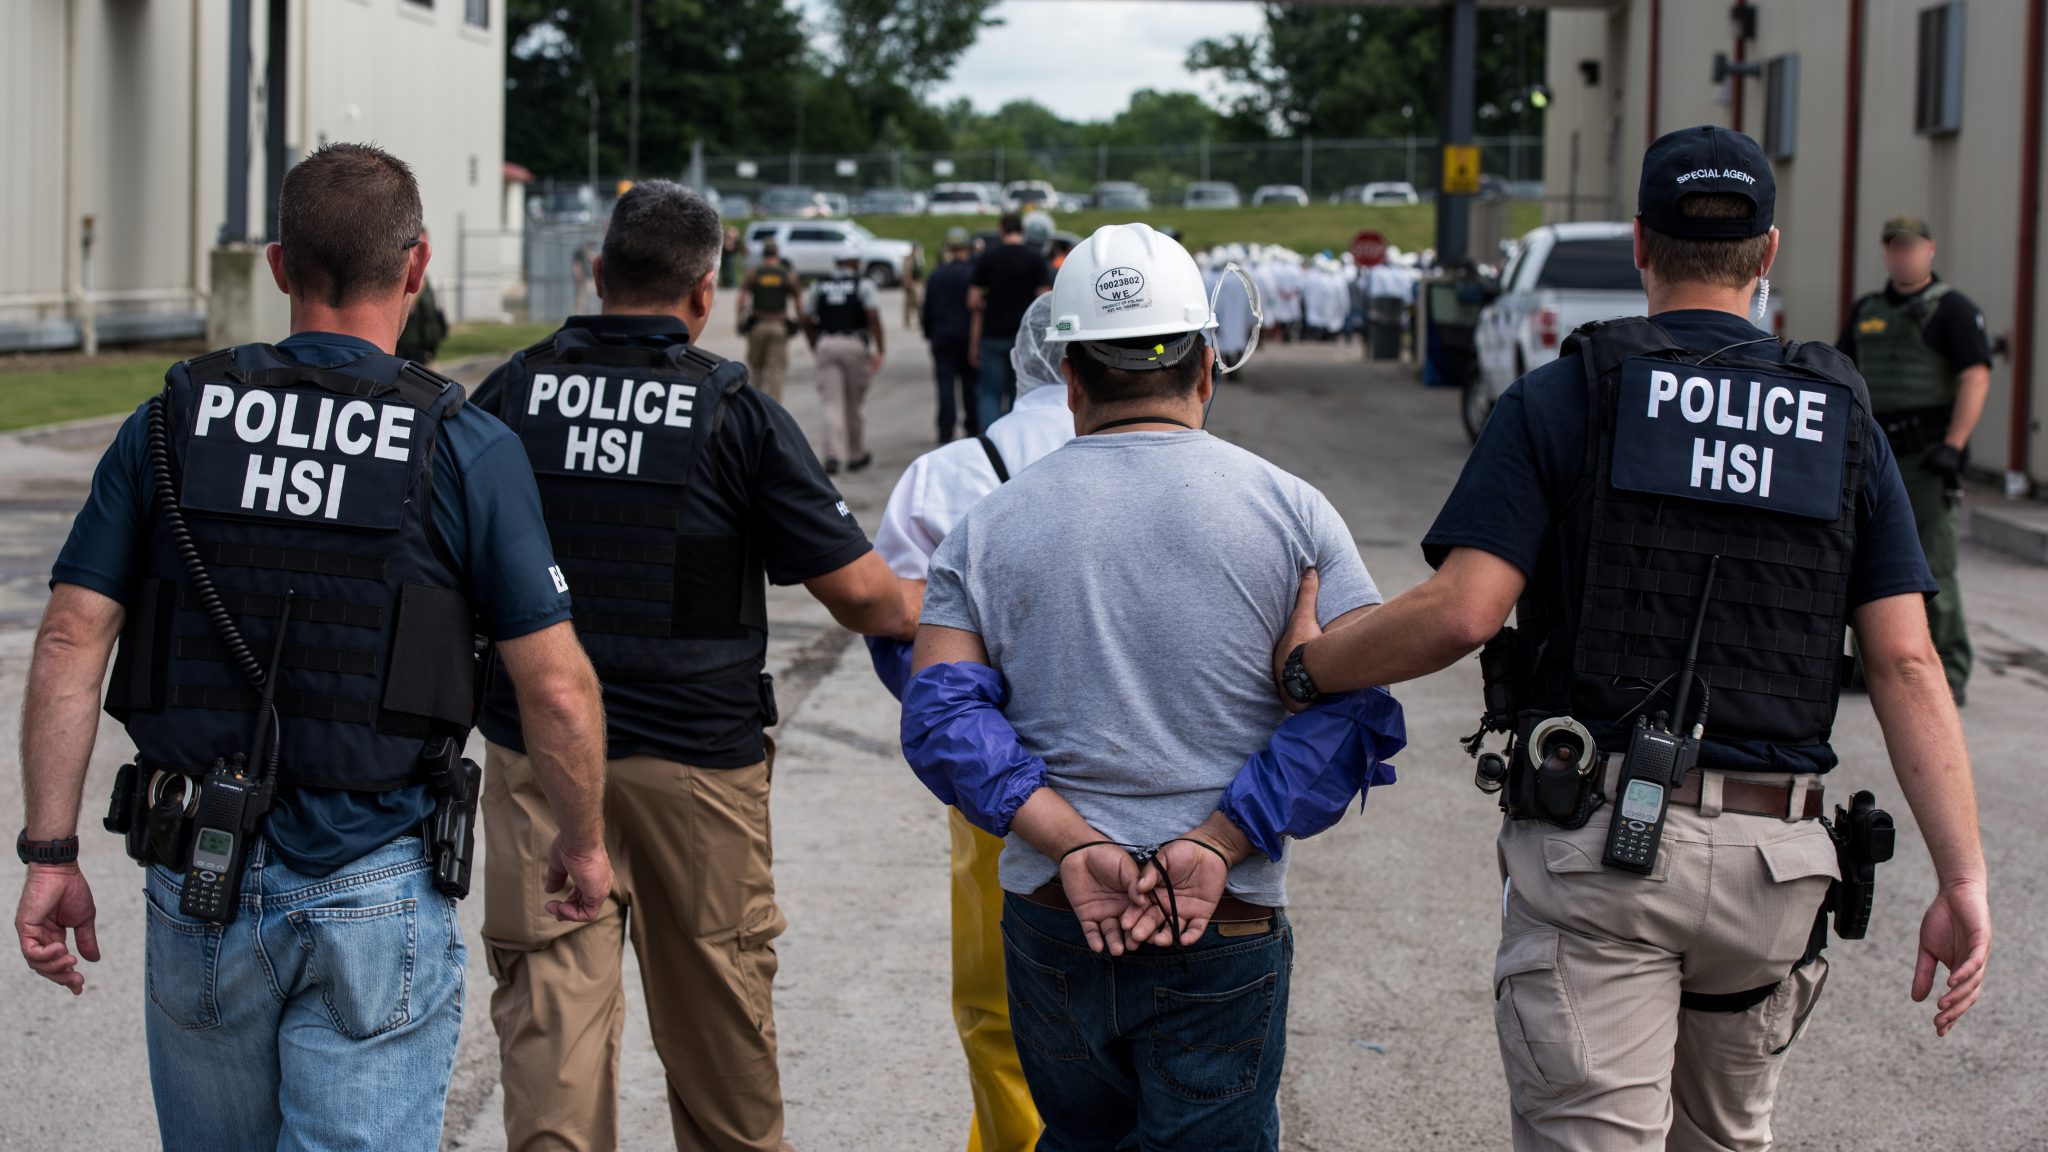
x=1230 y=911
x=1750 y=797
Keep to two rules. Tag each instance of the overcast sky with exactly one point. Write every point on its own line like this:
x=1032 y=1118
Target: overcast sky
x=1084 y=58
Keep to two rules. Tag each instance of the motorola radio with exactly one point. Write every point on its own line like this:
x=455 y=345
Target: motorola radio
x=1660 y=753
x=233 y=798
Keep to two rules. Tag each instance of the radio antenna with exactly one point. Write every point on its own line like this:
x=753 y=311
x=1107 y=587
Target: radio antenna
x=1692 y=649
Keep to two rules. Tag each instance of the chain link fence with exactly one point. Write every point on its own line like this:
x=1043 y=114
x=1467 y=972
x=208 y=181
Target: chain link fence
x=1323 y=168
x=565 y=217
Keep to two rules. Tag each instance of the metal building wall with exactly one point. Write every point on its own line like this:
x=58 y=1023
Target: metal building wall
x=1966 y=184
x=429 y=87
x=118 y=109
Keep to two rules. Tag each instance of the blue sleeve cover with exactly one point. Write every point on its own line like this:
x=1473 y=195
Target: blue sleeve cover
x=961 y=747
x=1317 y=760
x=892 y=662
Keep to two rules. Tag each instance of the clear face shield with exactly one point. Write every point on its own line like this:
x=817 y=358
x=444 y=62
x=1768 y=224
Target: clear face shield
x=1258 y=314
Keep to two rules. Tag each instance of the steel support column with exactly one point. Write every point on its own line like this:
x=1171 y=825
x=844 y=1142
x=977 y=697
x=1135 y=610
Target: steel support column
x=1454 y=118
x=234 y=228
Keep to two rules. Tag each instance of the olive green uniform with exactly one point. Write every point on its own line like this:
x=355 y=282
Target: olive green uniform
x=1913 y=392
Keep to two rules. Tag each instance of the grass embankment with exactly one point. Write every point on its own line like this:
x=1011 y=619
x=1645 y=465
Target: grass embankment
x=49 y=388
x=1307 y=230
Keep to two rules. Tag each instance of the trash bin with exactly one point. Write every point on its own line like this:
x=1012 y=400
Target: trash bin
x=1383 y=326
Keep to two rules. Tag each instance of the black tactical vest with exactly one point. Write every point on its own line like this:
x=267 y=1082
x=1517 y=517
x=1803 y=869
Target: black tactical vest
x=1757 y=462
x=839 y=308
x=613 y=431
x=315 y=482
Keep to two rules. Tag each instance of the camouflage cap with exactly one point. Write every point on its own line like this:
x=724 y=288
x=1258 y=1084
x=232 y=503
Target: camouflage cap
x=1906 y=224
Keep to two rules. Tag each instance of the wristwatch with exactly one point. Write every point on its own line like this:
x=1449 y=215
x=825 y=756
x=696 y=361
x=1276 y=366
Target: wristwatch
x=1295 y=680
x=63 y=851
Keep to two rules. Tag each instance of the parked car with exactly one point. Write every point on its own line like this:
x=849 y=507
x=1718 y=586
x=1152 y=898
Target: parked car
x=735 y=207
x=1293 y=195
x=1389 y=192
x=1024 y=195
x=889 y=202
x=1560 y=276
x=791 y=200
x=959 y=200
x=1076 y=201
x=1212 y=194
x=1122 y=196
x=572 y=205
x=811 y=246
x=835 y=204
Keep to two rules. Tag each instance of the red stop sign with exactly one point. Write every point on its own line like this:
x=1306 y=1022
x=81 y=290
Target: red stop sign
x=1368 y=248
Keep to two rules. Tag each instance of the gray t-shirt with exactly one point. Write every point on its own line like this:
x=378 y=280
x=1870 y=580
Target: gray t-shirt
x=1131 y=588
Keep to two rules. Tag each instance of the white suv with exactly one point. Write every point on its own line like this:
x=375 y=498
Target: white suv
x=812 y=248
x=960 y=200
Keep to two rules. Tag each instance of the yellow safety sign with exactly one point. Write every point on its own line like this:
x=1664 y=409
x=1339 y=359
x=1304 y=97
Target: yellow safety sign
x=1461 y=170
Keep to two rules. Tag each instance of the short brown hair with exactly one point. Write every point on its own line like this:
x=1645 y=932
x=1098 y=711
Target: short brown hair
x=346 y=216
x=1727 y=263
x=662 y=240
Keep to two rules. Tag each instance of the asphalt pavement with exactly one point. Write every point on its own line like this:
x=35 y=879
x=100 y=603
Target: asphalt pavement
x=1390 y=1042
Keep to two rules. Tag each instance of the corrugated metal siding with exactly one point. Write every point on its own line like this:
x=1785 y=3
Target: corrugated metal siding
x=1966 y=185
x=32 y=80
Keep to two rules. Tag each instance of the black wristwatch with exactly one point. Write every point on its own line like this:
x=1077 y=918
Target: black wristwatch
x=1295 y=680
x=63 y=851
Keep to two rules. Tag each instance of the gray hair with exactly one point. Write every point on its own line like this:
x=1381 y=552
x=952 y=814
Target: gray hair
x=663 y=239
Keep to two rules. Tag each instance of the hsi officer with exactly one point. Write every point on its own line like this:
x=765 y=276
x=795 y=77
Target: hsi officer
x=1683 y=515
x=296 y=547
x=1920 y=345
x=842 y=319
x=674 y=493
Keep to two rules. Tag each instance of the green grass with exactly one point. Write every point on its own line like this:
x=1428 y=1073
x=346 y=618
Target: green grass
x=489 y=339
x=74 y=389
x=32 y=396
x=1307 y=229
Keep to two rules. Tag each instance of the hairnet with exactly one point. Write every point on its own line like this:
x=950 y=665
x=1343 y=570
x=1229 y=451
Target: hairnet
x=1037 y=362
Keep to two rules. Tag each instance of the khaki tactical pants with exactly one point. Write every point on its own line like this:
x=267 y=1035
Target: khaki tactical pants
x=843 y=387
x=768 y=354
x=692 y=888
x=1600 y=1054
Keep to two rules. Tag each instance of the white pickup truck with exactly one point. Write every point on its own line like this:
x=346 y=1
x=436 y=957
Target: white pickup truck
x=1561 y=276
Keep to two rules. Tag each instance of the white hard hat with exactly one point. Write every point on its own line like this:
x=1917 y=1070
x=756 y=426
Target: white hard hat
x=1125 y=282
x=848 y=252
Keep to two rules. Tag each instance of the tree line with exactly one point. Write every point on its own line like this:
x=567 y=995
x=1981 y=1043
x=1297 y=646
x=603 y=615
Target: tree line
x=765 y=77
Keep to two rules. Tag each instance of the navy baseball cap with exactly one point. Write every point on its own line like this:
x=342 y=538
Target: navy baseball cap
x=1705 y=159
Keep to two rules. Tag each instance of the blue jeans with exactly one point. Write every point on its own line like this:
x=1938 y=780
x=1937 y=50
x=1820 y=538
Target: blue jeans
x=1138 y=1052
x=324 y=1017
x=998 y=379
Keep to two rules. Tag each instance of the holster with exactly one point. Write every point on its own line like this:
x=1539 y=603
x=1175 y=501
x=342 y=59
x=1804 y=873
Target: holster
x=451 y=831
x=771 y=713
x=1864 y=837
